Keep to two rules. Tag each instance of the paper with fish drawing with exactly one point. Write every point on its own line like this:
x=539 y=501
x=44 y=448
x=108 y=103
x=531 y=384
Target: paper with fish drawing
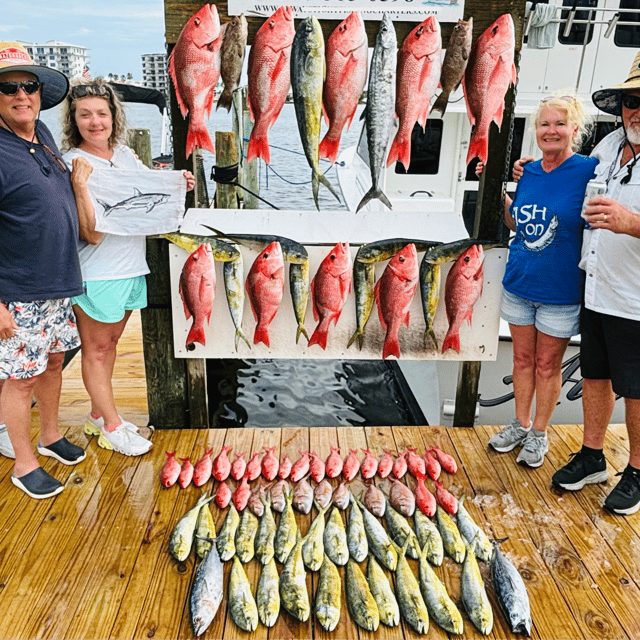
x=319 y=232
x=136 y=202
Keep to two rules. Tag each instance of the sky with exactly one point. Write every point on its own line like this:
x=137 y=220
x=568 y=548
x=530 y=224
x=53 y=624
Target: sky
x=116 y=32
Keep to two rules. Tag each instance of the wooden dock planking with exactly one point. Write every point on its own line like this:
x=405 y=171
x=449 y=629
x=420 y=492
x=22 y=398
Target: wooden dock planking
x=94 y=561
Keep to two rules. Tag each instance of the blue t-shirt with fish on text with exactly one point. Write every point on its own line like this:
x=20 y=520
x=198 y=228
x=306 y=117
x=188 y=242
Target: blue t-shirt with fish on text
x=544 y=255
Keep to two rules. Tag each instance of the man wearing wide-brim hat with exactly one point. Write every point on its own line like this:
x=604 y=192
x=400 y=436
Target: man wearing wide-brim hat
x=39 y=269
x=610 y=320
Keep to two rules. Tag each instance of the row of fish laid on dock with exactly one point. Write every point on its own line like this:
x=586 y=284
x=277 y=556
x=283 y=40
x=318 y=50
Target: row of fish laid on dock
x=378 y=528
x=331 y=285
x=402 y=82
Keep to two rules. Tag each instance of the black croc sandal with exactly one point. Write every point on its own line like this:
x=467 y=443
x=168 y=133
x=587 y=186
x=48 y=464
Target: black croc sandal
x=38 y=484
x=63 y=451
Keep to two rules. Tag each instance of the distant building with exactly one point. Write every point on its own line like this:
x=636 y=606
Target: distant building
x=154 y=72
x=71 y=59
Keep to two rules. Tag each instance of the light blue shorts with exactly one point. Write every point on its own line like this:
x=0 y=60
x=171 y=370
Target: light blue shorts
x=557 y=320
x=107 y=300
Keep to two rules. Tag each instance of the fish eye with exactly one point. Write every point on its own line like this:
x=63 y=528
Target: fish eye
x=197 y=22
x=466 y=258
x=343 y=28
x=400 y=258
x=333 y=256
x=419 y=32
x=272 y=24
x=266 y=255
x=494 y=30
x=195 y=257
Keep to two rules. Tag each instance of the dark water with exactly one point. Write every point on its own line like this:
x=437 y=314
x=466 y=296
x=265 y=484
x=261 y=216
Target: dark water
x=308 y=393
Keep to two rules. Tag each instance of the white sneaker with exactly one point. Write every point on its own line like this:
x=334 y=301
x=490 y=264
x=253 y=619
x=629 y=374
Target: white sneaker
x=123 y=440
x=6 y=448
x=93 y=426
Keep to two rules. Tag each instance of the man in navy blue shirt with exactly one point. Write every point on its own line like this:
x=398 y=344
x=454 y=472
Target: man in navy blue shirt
x=39 y=269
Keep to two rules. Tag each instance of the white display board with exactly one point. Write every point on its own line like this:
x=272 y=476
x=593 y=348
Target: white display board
x=399 y=10
x=319 y=232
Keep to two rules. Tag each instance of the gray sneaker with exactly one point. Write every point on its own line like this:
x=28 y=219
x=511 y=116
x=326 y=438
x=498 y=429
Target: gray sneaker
x=509 y=438
x=6 y=448
x=533 y=450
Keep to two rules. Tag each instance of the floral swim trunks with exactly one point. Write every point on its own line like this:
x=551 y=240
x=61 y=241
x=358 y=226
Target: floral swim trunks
x=44 y=327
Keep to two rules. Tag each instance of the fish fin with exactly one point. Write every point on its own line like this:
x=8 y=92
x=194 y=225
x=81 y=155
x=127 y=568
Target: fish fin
x=187 y=313
x=359 y=336
x=301 y=331
x=329 y=146
x=225 y=99
x=316 y=315
x=253 y=309
x=406 y=319
x=451 y=341
x=258 y=145
x=372 y=194
x=478 y=147
x=196 y=334
x=470 y=115
x=210 y=97
x=324 y=114
x=391 y=347
x=240 y=334
x=352 y=116
x=261 y=335
x=319 y=336
x=106 y=206
x=323 y=179
x=400 y=151
x=198 y=136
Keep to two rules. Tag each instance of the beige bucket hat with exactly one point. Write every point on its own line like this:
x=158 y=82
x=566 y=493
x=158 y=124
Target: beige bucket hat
x=608 y=100
x=14 y=57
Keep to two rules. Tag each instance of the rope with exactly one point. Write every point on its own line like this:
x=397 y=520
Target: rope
x=229 y=175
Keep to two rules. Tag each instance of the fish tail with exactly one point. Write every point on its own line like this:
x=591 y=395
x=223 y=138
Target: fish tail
x=317 y=177
x=372 y=194
x=451 y=341
x=301 y=331
x=429 y=335
x=196 y=334
x=198 y=136
x=240 y=334
x=441 y=103
x=329 y=146
x=359 y=336
x=319 y=336
x=400 y=151
x=391 y=347
x=478 y=147
x=225 y=99
x=261 y=335
x=258 y=146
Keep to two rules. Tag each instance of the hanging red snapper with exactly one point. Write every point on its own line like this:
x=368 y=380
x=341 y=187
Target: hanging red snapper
x=346 y=54
x=394 y=293
x=197 y=289
x=418 y=75
x=265 y=286
x=329 y=290
x=489 y=73
x=269 y=78
x=194 y=67
x=461 y=290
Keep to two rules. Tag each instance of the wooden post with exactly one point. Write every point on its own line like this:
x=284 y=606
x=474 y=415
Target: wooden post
x=489 y=223
x=140 y=141
x=226 y=156
x=248 y=171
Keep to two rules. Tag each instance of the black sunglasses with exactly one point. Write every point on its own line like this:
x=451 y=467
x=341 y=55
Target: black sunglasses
x=11 y=88
x=91 y=90
x=630 y=102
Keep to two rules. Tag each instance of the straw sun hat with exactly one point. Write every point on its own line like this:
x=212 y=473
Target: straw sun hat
x=14 y=57
x=608 y=100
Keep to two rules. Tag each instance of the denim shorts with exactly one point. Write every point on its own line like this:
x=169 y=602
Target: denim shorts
x=107 y=300
x=557 y=320
x=44 y=327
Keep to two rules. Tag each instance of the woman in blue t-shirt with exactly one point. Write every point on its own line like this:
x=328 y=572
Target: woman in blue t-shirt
x=542 y=282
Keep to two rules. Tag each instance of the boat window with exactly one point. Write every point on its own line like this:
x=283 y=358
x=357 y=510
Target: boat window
x=516 y=151
x=628 y=35
x=425 y=149
x=578 y=32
